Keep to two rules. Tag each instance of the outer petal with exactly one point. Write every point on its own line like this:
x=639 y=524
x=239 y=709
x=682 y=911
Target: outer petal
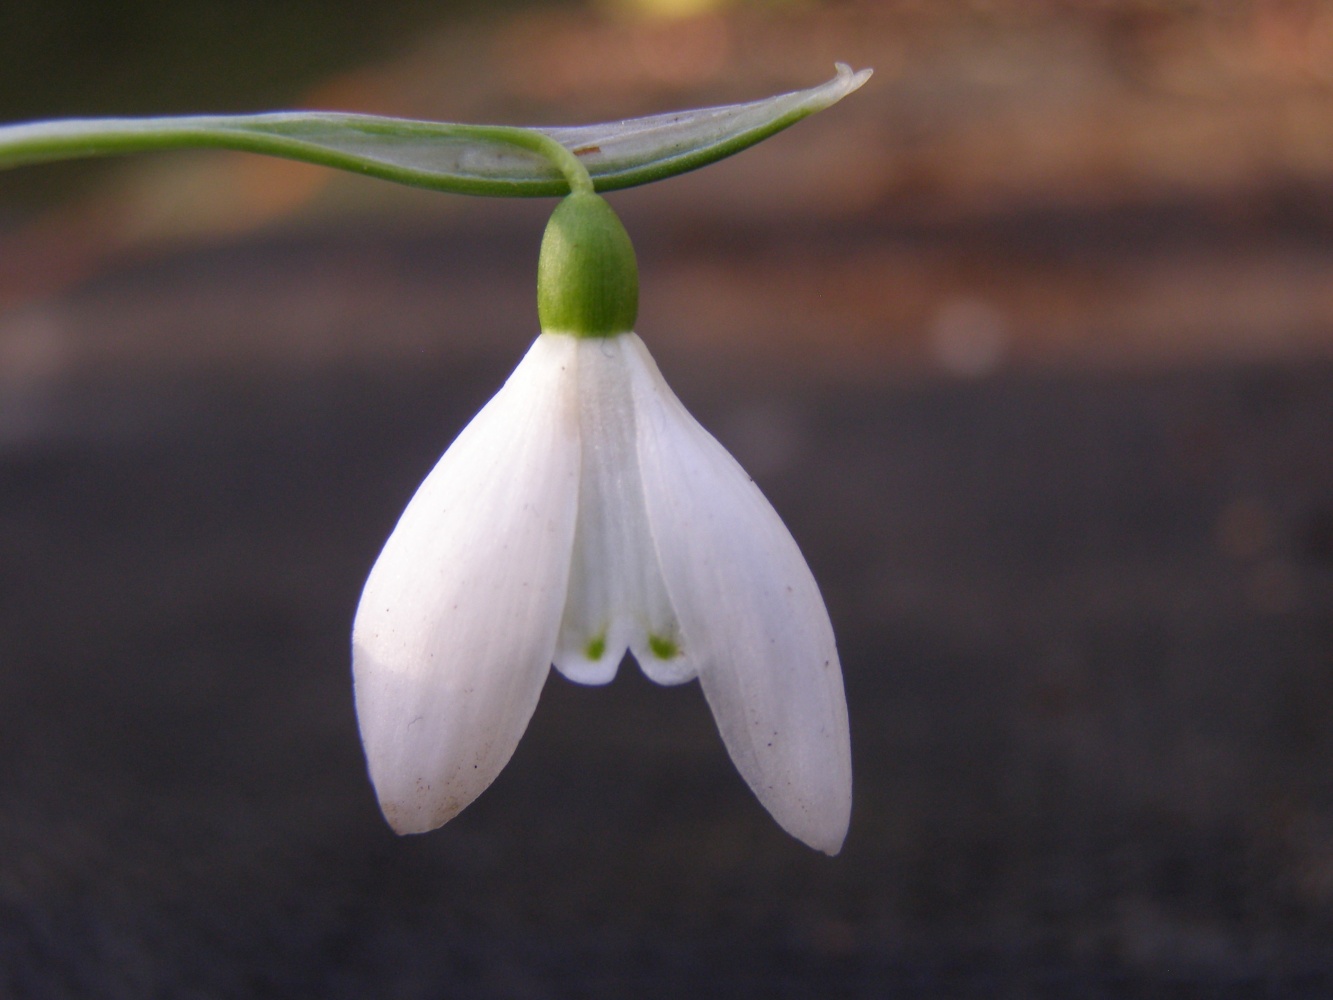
x=751 y=618
x=457 y=623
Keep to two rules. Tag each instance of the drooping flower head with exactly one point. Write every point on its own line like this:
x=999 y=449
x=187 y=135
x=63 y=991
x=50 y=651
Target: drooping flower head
x=581 y=514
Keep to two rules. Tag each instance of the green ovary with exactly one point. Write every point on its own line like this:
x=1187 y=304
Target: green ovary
x=587 y=277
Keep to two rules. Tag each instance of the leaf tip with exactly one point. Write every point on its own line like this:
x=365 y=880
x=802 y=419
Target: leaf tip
x=847 y=80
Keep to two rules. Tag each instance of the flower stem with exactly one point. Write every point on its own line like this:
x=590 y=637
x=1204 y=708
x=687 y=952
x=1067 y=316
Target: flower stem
x=576 y=174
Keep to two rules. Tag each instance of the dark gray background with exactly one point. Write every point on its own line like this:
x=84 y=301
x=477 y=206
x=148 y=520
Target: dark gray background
x=1084 y=599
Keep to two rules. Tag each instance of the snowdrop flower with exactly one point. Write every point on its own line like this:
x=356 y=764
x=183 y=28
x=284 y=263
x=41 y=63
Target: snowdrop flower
x=582 y=513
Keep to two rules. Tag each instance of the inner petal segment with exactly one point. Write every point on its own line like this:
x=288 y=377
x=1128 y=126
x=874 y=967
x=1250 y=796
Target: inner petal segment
x=616 y=600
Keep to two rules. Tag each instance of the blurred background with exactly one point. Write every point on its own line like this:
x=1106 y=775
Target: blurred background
x=1030 y=341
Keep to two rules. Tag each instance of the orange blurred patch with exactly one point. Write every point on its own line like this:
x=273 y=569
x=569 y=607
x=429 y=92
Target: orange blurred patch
x=555 y=56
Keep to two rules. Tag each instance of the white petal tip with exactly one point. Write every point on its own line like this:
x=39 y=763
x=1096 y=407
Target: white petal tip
x=818 y=820
x=407 y=819
x=830 y=841
x=582 y=667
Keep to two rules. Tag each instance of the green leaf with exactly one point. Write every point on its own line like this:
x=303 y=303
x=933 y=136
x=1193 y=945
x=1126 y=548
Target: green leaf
x=464 y=159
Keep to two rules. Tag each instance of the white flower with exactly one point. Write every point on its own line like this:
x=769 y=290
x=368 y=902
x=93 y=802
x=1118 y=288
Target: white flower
x=581 y=513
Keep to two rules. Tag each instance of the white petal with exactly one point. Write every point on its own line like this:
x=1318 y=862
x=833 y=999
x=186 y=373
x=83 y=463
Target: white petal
x=616 y=597
x=457 y=623
x=751 y=618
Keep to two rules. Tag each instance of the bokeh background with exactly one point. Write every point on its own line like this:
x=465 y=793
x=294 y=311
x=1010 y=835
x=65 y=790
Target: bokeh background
x=1030 y=341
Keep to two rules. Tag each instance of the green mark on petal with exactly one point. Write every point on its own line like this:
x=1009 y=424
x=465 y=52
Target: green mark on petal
x=663 y=648
x=595 y=648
